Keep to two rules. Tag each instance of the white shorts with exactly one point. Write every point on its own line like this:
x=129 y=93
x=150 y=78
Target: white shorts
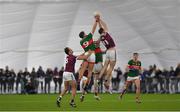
x=98 y=67
x=111 y=55
x=132 y=78
x=68 y=76
x=91 y=58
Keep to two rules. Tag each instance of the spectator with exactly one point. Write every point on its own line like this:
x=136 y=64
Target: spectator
x=155 y=77
x=8 y=79
x=23 y=82
x=41 y=74
x=27 y=76
x=167 y=76
x=18 y=80
x=56 y=78
x=113 y=80
x=12 y=79
x=1 y=70
x=172 y=80
x=143 y=81
x=149 y=79
x=118 y=77
x=29 y=88
x=48 y=77
x=4 y=80
x=161 y=81
x=34 y=79
x=177 y=74
x=61 y=78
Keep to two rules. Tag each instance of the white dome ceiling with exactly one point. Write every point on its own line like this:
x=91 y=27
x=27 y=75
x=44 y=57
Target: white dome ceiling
x=35 y=33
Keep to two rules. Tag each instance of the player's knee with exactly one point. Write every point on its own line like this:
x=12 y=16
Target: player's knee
x=138 y=88
x=105 y=66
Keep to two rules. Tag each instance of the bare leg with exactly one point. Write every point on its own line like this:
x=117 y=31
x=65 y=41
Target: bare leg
x=137 y=83
x=86 y=83
x=83 y=69
x=127 y=83
x=90 y=70
x=66 y=85
x=83 y=91
x=104 y=69
x=110 y=69
x=73 y=86
x=109 y=74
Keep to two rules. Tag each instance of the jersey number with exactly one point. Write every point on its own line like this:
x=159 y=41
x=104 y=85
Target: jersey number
x=86 y=44
x=105 y=42
x=66 y=61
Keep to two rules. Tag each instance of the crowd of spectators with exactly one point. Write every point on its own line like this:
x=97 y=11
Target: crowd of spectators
x=33 y=82
x=153 y=80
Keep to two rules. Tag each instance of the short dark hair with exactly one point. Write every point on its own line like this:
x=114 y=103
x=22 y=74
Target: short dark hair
x=81 y=34
x=66 y=50
x=135 y=53
x=100 y=30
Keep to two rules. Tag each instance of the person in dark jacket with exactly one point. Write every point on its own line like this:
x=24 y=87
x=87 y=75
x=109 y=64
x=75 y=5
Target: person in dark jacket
x=1 y=70
x=4 y=79
x=118 y=77
x=177 y=74
x=23 y=82
x=55 y=78
x=27 y=76
x=18 y=80
x=172 y=80
x=41 y=74
x=48 y=78
x=34 y=79
x=60 y=78
x=12 y=80
x=8 y=78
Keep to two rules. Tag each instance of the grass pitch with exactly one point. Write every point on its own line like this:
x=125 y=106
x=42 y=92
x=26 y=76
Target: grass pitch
x=150 y=102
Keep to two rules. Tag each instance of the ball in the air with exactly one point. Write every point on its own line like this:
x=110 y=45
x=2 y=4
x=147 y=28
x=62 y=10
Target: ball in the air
x=97 y=15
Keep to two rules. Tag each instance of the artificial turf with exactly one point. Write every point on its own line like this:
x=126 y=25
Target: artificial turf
x=44 y=102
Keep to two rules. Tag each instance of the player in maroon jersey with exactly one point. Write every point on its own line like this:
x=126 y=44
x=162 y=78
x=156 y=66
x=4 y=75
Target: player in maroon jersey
x=68 y=75
x=108 y=42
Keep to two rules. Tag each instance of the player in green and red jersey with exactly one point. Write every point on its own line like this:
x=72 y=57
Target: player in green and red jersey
x=87 y=44
x=97 y=67
x=134 y=69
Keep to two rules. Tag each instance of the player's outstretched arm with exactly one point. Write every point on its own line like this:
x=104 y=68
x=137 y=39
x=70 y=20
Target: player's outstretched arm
x=83 y=56
x=94 y=27
x=99 y=24
x=102 y=24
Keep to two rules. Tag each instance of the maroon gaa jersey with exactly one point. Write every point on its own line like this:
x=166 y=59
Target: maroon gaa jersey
x=107 y=41
x=70 y=63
